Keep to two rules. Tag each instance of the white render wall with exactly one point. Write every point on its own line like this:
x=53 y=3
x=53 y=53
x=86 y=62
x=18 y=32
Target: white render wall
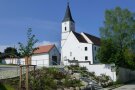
x=100 y=69
x=74 y=49
x=15 y=61
x=40 y=59
x=9 y=61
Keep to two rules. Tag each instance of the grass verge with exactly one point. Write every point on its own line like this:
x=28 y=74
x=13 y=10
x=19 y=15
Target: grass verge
x=6 y=87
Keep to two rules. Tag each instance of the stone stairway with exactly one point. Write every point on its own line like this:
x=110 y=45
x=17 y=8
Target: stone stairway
x=92 y=85
x=96 y=86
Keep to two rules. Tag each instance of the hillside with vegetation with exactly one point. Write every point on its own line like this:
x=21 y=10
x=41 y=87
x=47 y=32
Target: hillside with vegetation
x=68 y=78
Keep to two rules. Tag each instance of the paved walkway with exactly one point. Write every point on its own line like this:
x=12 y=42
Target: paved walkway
x=130 y=86
x=7 y=71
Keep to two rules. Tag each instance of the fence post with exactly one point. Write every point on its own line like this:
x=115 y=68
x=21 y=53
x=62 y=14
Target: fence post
x=43 y=62
x=20 y=78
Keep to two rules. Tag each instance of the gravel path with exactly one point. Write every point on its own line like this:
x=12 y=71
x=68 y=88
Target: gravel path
x=8 y=74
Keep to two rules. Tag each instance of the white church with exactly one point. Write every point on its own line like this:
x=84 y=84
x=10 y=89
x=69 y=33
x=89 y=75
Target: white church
x=81 y=48
x=77 y=47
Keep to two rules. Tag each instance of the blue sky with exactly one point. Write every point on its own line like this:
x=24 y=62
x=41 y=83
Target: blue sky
x=45 y=16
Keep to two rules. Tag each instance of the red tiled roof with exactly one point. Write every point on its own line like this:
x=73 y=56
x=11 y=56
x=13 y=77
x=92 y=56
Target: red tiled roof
x=44 y=49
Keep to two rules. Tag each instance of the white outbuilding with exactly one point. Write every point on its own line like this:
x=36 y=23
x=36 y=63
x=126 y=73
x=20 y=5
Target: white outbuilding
x=46 y=55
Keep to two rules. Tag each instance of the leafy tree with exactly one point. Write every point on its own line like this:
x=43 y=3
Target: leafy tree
x=10 y=52
x=118 y=38
x=27 y=51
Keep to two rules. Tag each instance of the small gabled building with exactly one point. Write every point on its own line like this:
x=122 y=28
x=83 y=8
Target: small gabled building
x=46 y=55
x=77 y=47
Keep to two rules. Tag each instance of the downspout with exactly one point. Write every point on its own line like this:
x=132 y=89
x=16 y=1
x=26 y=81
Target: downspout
x=92 y=54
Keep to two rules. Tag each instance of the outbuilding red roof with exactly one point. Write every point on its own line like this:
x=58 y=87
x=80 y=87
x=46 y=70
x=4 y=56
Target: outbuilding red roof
x=44 y=49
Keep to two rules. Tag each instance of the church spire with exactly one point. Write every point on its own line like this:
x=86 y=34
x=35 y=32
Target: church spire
x=68 y=16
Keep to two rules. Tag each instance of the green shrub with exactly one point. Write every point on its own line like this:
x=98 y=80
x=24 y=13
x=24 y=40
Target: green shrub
x=71 y=83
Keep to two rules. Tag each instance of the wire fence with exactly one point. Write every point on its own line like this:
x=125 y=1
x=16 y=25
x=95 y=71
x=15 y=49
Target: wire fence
x=10 y=71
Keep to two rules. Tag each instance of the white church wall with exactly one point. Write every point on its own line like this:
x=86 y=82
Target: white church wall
x=100 y=69
x=85 y=53
x=66 y=28
x=69 y=26
x=69 y=49
x=73 y=49
x=64 y=38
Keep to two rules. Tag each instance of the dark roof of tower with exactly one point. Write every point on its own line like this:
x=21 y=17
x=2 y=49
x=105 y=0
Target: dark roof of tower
x=79 y=37
x=68 y=16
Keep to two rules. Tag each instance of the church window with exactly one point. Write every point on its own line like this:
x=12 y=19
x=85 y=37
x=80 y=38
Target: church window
x=86 y=48
x=65 y=28
x=86 y=57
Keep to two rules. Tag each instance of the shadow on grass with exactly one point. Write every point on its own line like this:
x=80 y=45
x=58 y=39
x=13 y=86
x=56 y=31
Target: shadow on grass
x=2 y=87
x=6 y=87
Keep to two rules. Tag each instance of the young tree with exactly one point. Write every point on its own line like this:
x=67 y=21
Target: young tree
x=118 y=38
x=27 y=51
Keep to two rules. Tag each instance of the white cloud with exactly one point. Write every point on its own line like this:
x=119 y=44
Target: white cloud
x=46 y=43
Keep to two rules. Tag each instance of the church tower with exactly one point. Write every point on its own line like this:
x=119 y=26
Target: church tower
x=68 y=25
